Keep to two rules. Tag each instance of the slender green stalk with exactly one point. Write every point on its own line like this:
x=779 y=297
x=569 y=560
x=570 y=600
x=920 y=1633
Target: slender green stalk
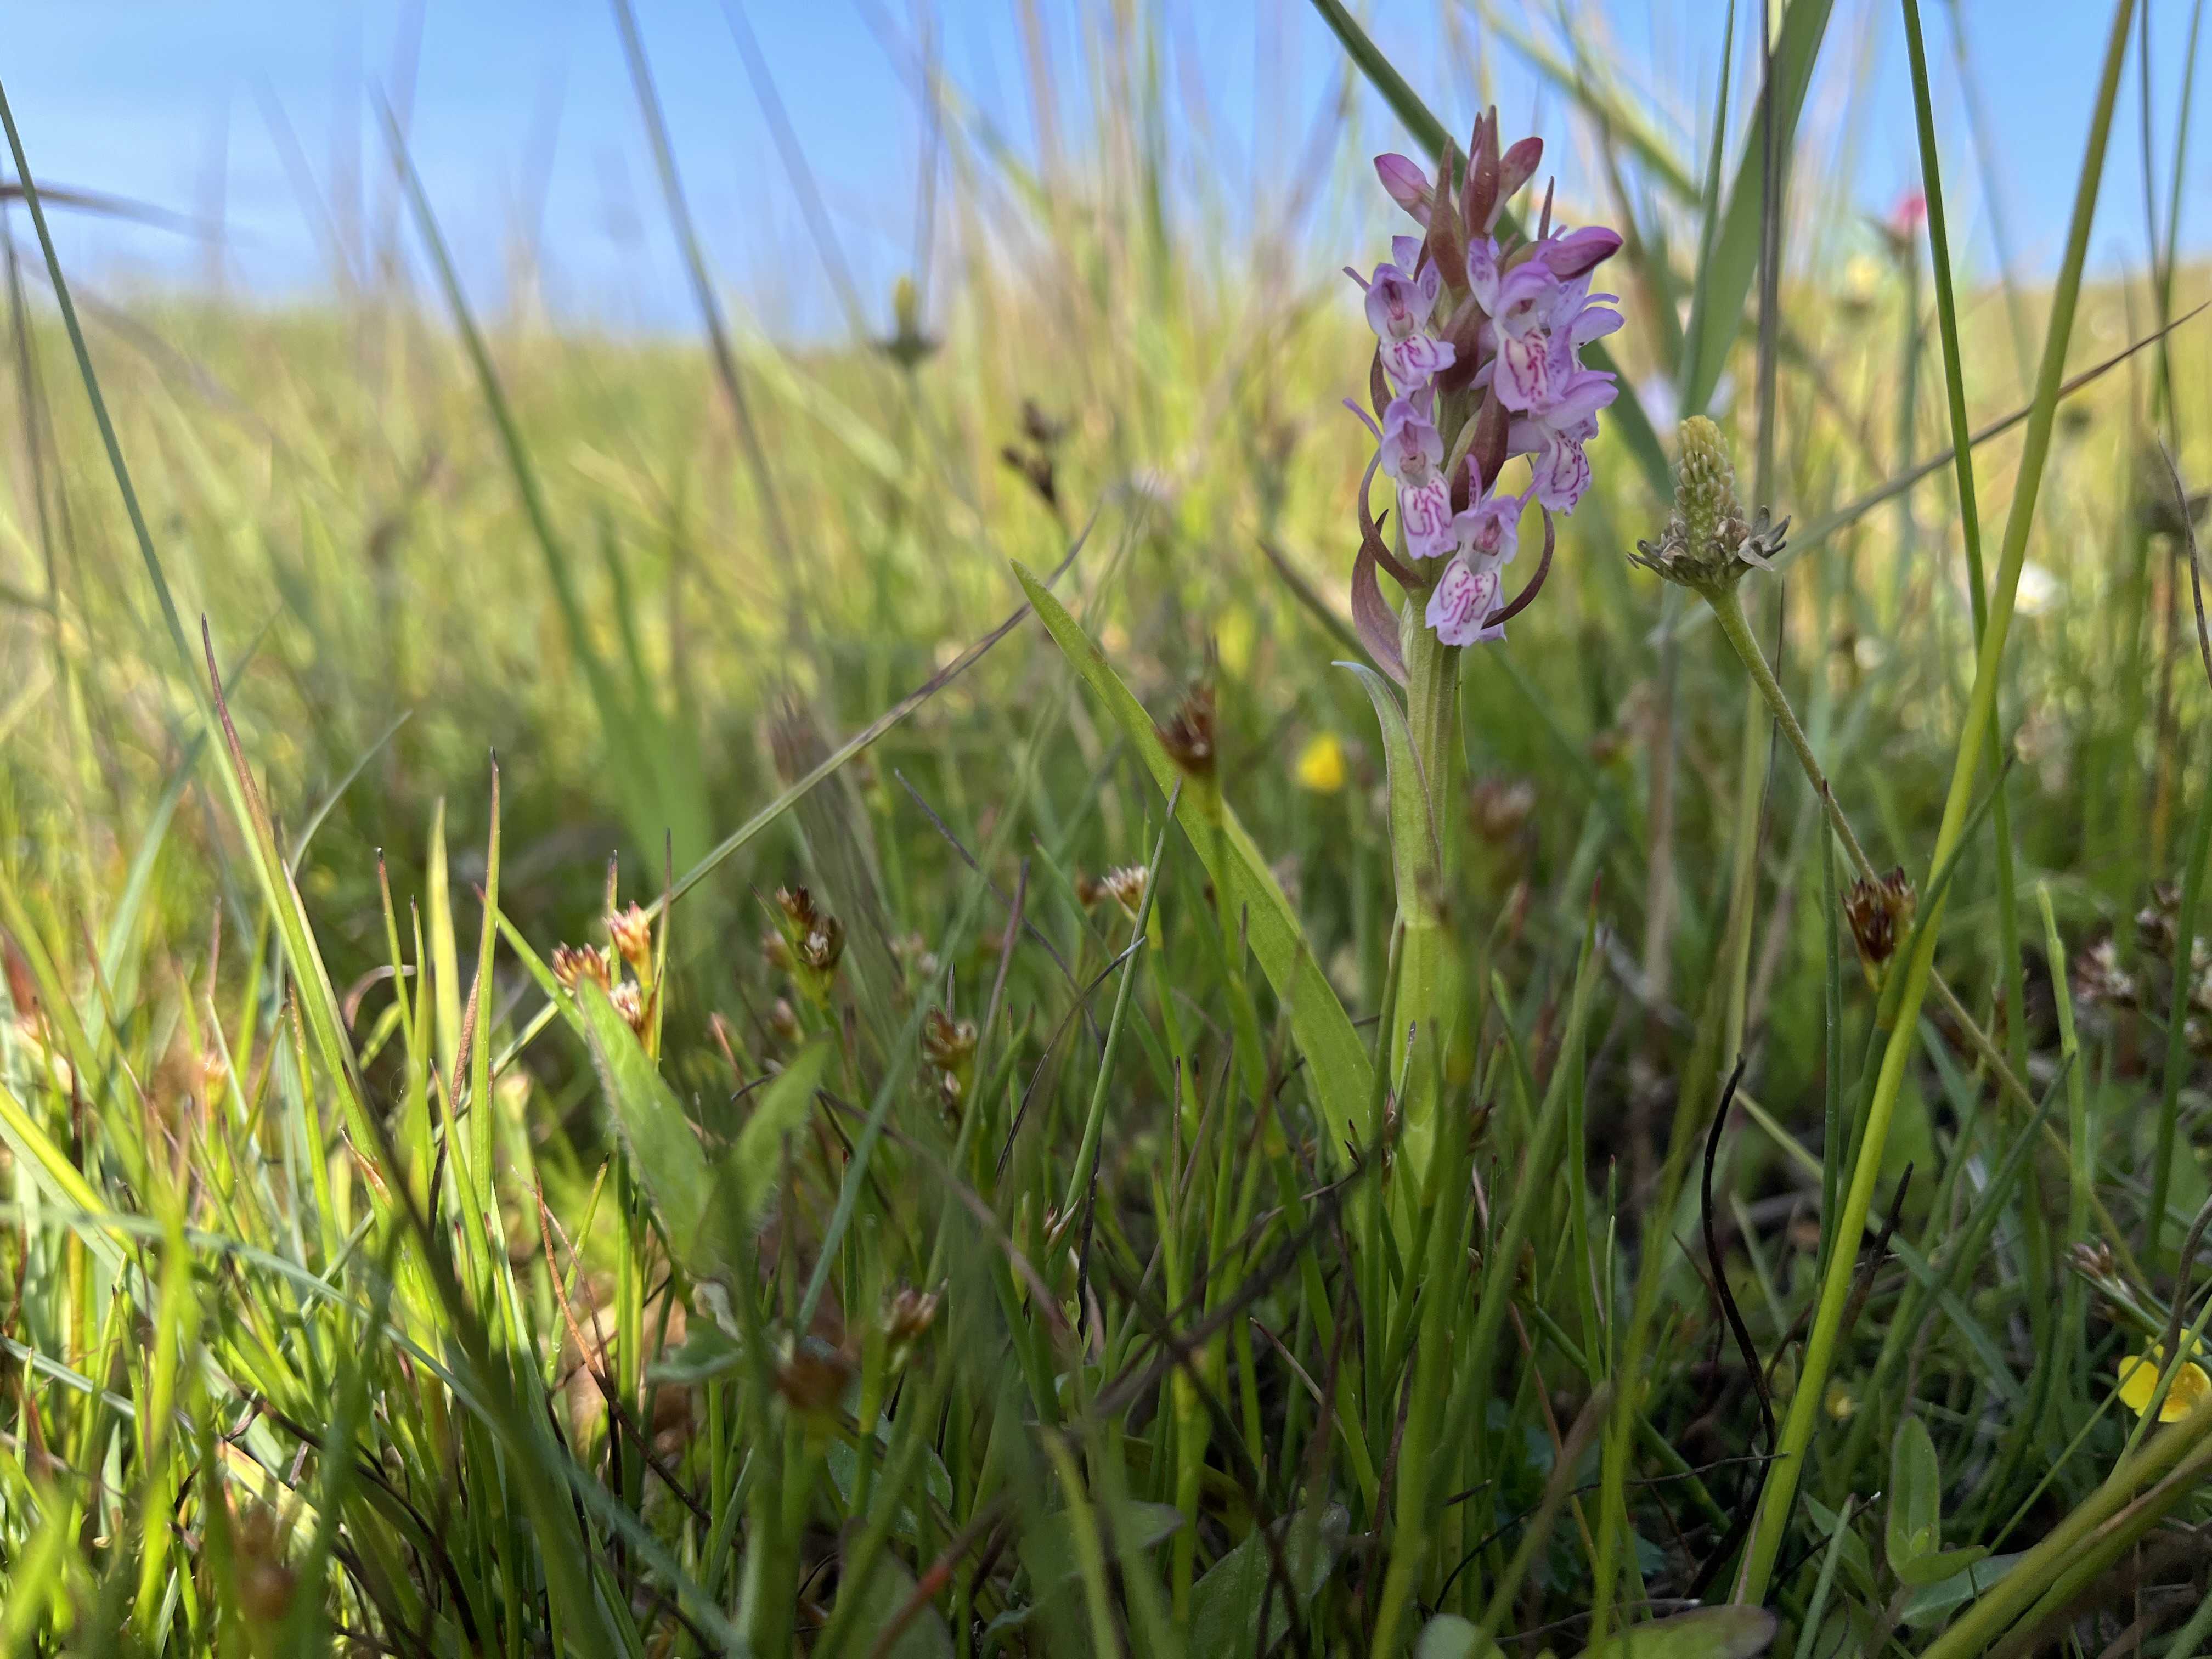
x=1778 y=1498
x=1430 y=974
x=2177 y=1025
x=2013 y=967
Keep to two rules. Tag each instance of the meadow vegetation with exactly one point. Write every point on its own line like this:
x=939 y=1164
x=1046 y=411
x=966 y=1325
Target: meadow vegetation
x=667 y=998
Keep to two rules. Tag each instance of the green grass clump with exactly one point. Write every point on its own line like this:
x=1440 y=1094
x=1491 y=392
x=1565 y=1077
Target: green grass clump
x=869 y=1131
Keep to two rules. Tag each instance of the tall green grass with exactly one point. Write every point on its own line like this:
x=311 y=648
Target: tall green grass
x=1068 y=1251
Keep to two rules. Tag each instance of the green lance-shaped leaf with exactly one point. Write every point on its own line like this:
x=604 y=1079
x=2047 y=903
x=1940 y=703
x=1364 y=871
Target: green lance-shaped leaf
x=1324 y=1032
x=1729 y=1632
x=1224 y=1605
x=780 y=1113
x=684 y=1186
x=663 y=1148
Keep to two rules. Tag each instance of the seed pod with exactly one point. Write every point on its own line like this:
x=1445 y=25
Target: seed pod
x=1187 y=736
x=1880 y=915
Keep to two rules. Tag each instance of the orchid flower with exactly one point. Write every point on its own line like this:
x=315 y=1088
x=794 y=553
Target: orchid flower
x=1556 y=432
x=1484 y=538
x=1414 y=456
x=1401 y=309
x=1519 y=302
x=1508 y=360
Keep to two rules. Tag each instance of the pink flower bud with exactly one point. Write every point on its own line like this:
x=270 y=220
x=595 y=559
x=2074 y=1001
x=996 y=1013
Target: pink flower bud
x=1579 y=251
x=1518 y=166
x=1408 y=185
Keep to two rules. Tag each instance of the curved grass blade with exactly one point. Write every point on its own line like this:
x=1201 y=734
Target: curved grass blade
x=1342 y=1078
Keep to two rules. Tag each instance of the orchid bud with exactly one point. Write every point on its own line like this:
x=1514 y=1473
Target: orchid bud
x=1518 y=167
x=1486 y=455
x=1408 y=185
x=1479 y=201
x=1446 y=238
x=1579 y=252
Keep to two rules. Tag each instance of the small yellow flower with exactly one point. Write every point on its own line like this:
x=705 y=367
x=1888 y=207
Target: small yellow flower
x=2139 y=1376
x=1321 y=765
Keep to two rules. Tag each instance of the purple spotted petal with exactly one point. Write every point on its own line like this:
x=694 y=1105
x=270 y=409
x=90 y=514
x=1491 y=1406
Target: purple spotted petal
x=1487 y=533
x=1459 y=610
x=1580 y=396
x=1526 y=296
x=1417 y=359
x=1393 y=304
x=1527 y=377
x=1424 y=513
x=1562 y=474
x=1412 y=448
x=1482 y=274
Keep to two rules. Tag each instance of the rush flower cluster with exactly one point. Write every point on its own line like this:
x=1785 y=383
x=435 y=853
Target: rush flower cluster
x=1477 y=359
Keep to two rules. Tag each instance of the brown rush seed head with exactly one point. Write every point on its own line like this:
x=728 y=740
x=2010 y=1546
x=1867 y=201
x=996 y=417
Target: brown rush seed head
x=1125 y=886
x=630 y=1002
x=1499 y=806
x=783 y=1020
x=948 y=1043
x=814 y=939
x=2159 y=922
x=574 y=963
x=2160 y=507
x=1187 y=736
x=907 y=1319
x=820 y=947
x=1708 y=543
x=631 y=930
x=1880 y=915
x=2099 y=979
x=2093 y=1260
x=812 y=1376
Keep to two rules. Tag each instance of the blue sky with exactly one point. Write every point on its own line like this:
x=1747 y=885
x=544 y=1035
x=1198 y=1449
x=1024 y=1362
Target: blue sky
x=523 y=114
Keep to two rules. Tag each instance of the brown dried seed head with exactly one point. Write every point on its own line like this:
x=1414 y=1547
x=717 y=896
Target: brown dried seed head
x=2158 y=923
x=2093 y=1259
x=1880 y=915
x=798 y=906
x=949 y=1043
x=783 y=1020
x=265 y=1581
x=907 y=1317
x=811 y=1378
x=821 y=945
x=1188 y=735
x=1499 y=806
x=2100 y=979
